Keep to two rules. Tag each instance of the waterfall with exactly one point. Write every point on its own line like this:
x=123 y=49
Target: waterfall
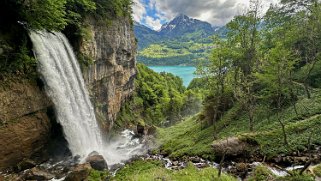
x=65 y=86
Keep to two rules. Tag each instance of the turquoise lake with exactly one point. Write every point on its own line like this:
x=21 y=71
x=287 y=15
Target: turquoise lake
x=184 y=72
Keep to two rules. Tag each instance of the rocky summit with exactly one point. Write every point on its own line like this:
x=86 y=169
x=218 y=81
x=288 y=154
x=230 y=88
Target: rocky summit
x=183 y=24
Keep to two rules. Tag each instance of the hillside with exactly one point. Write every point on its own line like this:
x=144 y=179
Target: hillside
x=261 y=115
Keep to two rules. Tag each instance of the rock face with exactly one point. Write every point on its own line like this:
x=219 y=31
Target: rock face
x=24 y=124
x=111 y=77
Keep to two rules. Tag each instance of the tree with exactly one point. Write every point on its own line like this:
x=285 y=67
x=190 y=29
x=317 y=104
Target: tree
x=45 y=14
x=244 y=36
x=305 y=16
x=276 y=78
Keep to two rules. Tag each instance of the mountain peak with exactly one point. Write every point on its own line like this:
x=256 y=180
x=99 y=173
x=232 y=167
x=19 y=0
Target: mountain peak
x=183 y=24
x=182 y=16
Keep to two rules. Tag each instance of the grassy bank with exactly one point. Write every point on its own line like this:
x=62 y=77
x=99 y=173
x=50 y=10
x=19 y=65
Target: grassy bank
x=189 y=138
x=154 y=170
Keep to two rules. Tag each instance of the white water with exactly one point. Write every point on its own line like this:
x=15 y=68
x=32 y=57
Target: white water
x=123 y=148
x=66 y=88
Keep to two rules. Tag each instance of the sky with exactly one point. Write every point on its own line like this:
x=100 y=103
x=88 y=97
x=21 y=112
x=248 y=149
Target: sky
x=154 y=13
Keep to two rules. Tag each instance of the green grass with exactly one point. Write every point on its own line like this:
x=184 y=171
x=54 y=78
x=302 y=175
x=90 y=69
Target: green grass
x=297 y=177
x=189 y=139
x=96 y=175
x=154 y=170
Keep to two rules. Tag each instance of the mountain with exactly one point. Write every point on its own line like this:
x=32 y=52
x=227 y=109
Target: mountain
x=145 y=35
x=182 y=25
x=182 y=41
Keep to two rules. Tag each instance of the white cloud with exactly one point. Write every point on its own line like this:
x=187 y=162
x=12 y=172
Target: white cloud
x=153 y=23
x=139 y=10
x=216 y=12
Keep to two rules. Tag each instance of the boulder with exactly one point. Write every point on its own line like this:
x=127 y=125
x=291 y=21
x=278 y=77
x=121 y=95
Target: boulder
x=97 y=161
x=232 y=147
x=79 y=172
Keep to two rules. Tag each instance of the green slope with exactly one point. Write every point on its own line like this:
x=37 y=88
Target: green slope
x=189 y=139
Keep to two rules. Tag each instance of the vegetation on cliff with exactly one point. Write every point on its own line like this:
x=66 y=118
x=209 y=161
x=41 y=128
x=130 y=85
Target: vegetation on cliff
x=159 y=99
x=52 y=15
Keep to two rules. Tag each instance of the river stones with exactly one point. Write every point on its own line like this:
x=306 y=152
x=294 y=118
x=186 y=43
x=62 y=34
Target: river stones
x=38 y=174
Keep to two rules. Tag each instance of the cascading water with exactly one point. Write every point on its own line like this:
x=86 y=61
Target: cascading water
x=66 y=88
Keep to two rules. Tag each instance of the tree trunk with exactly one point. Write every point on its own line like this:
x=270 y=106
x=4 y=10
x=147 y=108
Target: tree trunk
x=221 y=164
x=285 y=139
x=251 y=121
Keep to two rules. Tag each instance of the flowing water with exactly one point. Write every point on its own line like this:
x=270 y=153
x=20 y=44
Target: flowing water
x=66 y=88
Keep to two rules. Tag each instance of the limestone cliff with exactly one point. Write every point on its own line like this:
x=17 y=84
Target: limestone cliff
x=111 y=76
x=24 y=123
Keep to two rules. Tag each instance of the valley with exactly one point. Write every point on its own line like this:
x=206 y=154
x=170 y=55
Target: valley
x=143 y=90
x=182 y=41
